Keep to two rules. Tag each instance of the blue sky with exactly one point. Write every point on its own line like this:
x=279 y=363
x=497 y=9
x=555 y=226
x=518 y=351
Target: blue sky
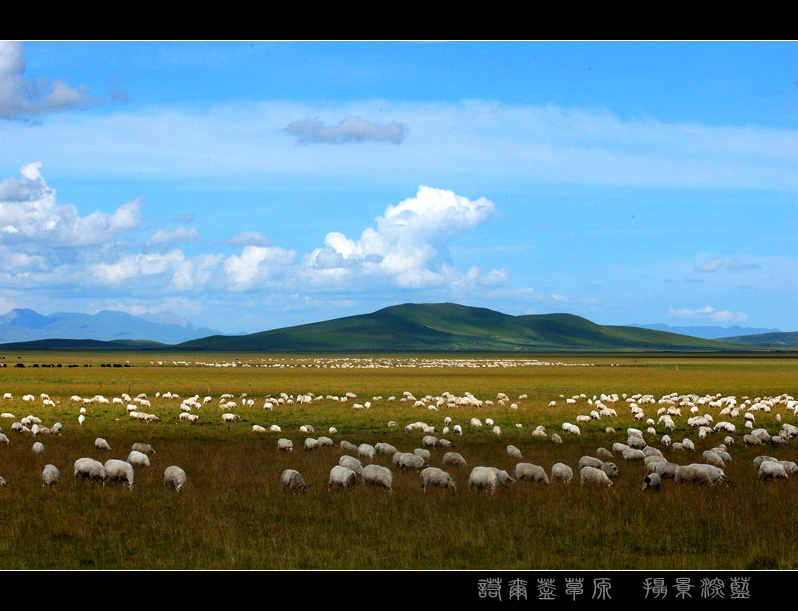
x=252 y=185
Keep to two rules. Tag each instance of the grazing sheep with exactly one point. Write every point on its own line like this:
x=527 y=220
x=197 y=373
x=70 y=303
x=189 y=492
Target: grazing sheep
x=652 y=482
x=50 y=476
x=409 y=460
x=385 y=448
x=4 y=440
x=342 y=477
x=119 y=471
x=665 y=469
x=711 y=458
x=770 y=469
x=366 y=451
x=532 y=473
x=229 y=417
x=560 y=472
x=700 y=473
x=325 y=442
x=101 y=444
x=453 y=459
x=590 y=461
x=138 y=459
x=430 y=441
x=514 y=452
x=293 y=481
x=790 y=467
x=88 y=468
x=433 y=476
x=144 y=448
x=347 y=446
x=285 y=445
x=351 y=463
x=591 y=476
x=311 y=444
x=603 y=453
x=423 y=452
x=257 y=428
x=555 y=438
x=377 y=475
x=174 y=477
x=633 y=454
x=489 y=478
x=38 y=448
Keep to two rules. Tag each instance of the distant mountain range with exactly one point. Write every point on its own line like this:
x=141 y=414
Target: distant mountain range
x=24 y=325
x=711 y=331
x=441 y=327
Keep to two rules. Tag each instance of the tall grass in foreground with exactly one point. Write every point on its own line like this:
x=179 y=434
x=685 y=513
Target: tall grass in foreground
x=233 y=513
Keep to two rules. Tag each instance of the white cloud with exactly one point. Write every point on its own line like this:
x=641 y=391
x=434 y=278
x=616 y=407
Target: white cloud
x=179 y=234
x=710 y=266
x=409 y=245
x=352 y=129
x=249 y=237
x=708 y=313
x=30 y=97
x=29 y=213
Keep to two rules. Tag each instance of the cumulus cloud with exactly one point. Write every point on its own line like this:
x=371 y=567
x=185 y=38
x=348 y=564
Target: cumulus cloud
x=709 y=313
x=30 y=214
x=352 y=129
x=30 y=97
x=409 y=245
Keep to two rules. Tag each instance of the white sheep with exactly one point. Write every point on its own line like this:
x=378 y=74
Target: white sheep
x=229 y=417
x=88 y=468
x=50 y=476
x=529 y=472
x=138 y=459
x=351 y=462
x=633 y=454
x=342 y=477
x=770 y=469
x=101 y=444
x=292 y=480
x=325 y=442
x=119 y=471
x=433 y=476
x=489 y=478
x=409 y=460
x=366 y=451
x=311 y=444
x=593 y=476
x=347 y=446
x=377 y=475
x=453 y=459
x=514 y=452
x=560 y=472
x=38 y=448
x=385 y=448
x=285 y=445
x=651 y=481
x=698 y=473
x=174 y=477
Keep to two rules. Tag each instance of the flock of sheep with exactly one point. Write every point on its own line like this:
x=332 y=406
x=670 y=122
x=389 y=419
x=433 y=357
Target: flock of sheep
x=706 y=415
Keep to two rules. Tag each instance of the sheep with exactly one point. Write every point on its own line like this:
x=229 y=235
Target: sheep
x=292 y=480
x=351 y=463
x=366 y=451
x=347 y=446
x=529 y=472
x=285 y=445
x=712 y=458
x=591 y=475
x=385 y=448
x=138 y=459
x=38 y=448
x=489 y=478
x=4 y=440
x=342 y=477
x=633 y=454
x=700 y=473
x=229 y=417
x=101 y=444
x=652 y=482
x=377 y=475
x=603 y=453
x=257 y=428
x=50 y=476
x=433 y=476
x=325 y=442
x=423 y=452
x=311 y=444
x=770 y=469
x=560 y=472
x=174 y=477
x=590 y=461
x=409 y=460
x=119 y=471
x=664 y=469
x=453 y=459
x=88 y=468
x=430 y=441
x=514 y=452
x=555 y=438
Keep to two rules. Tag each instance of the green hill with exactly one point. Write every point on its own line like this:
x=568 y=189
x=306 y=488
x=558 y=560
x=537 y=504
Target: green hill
x=453 y=327
x=768 y=340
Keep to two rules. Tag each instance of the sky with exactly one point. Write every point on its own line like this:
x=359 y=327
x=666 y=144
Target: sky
x=253 y=185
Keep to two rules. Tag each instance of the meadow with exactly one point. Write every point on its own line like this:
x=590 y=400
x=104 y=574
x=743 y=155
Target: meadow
x=234 y=514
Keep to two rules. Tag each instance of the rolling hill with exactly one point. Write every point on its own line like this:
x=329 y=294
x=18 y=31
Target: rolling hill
x=453 y=327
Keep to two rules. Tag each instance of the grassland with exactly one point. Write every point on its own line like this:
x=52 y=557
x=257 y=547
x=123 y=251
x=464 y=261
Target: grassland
x=233 y=513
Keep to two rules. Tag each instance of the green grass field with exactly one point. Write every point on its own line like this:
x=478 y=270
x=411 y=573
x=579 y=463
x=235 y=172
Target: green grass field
x=234 y=514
